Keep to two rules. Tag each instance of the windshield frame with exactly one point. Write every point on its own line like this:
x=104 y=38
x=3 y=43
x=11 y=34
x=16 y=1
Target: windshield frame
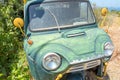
x=66 y=26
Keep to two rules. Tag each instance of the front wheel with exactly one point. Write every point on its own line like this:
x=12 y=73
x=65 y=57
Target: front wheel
x=84 y=75
x=75 y=76
x=90 y=76
x=104 y=78
x=87 y=75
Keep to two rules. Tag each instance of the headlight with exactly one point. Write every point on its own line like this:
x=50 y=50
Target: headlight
x=51 y=61
x=108 y=48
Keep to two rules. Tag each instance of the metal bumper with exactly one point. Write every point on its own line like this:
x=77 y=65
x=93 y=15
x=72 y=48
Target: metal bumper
x=84 y=66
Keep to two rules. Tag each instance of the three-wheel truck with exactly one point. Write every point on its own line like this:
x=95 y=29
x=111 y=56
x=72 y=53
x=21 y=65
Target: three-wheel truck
x=63 y=42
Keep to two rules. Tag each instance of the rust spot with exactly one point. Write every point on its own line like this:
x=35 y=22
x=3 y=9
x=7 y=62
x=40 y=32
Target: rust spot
x=30 y=42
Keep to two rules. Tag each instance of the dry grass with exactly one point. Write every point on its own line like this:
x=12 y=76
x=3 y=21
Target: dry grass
x=114 y=32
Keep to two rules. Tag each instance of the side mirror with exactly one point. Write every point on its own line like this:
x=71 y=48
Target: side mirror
x=104 y=11
x=24 y=1
x=18 y=22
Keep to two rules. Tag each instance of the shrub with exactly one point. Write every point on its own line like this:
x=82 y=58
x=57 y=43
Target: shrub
x=11 y=54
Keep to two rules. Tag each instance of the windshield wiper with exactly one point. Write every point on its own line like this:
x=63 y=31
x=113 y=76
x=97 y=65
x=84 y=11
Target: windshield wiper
x=58 y=26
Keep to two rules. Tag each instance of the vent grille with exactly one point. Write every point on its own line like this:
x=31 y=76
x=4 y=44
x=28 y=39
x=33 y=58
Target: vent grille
x=84 y=66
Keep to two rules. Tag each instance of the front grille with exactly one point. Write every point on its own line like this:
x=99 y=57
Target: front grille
x=84 y=66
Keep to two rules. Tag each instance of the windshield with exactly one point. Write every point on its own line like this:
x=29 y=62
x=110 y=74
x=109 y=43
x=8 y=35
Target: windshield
x=57 y=15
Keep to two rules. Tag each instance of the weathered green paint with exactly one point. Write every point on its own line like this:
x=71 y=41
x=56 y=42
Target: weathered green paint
x=83 y=48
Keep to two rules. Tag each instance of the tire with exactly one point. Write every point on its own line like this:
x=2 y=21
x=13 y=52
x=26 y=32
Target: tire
x=106 y=77
x=75 y=76
x=90 y=76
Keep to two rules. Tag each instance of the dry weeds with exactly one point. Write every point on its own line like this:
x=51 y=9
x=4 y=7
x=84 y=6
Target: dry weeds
x=114 y=64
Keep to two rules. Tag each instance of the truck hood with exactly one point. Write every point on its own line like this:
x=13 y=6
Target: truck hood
x=72 y=44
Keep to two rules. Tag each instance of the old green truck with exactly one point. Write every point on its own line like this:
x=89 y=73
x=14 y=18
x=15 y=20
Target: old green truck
x=63 y=42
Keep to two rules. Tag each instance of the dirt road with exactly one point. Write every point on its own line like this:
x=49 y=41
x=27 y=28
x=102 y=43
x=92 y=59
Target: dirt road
x=114 y=65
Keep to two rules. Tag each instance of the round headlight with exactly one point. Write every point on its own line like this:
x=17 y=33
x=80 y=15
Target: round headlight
x=51 y=61
x=108 y=48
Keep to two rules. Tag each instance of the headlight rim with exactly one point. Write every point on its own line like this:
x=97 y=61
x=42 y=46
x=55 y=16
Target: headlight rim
x=47 y=55
x=112 y=48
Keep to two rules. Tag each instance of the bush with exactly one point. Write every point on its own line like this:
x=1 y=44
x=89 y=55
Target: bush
x=12 y=57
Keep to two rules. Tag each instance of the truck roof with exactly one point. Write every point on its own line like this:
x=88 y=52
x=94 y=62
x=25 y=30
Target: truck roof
x=60 y=0
x=64 y=0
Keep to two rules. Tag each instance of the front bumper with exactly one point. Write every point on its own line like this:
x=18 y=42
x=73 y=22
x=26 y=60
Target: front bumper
x=40 y=74
x=84 y=66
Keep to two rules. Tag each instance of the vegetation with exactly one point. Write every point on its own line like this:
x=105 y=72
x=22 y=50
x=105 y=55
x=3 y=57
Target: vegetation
x=12 y=57
x=110 y=15
x=97 y=12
